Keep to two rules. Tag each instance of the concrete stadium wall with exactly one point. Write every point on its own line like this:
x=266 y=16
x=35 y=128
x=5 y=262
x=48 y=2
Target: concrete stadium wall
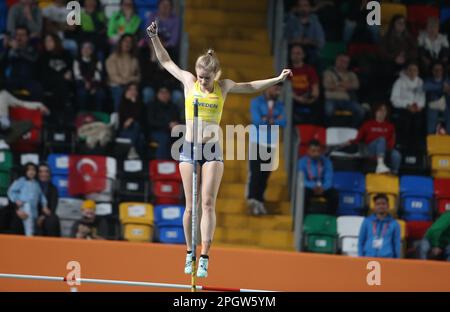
x=229 y=267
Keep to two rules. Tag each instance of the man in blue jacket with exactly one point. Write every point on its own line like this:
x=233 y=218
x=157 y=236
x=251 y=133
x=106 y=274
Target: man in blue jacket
x=267 y=114
x=318 y=179
x=379 y=235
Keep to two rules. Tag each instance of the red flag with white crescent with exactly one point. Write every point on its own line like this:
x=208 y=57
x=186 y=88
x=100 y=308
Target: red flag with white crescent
x=87 y=174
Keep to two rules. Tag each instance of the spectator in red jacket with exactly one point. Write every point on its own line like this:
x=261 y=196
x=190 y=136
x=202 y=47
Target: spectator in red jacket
x=305 y=87
x=378 y=134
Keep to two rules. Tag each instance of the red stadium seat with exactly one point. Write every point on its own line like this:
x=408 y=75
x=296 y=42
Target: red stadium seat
x=167 y=192
x=307 y=133
x=164 y=170
x=356 y=49
x=416 y=229
x=442 y=194
x=418 y=15
x=31 y=140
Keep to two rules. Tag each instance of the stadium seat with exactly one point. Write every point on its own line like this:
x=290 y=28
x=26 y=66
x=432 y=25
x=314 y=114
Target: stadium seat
x=29 y=158
x=445 y=15
x=440 y=166
x=134 y=168
x=136 y=213
x=414 y=162
x=417 y=16
x=339 y=135
x=348 y=228
x=133 y=187
x=442 y=194
x=4 y=202
x=389 y=10
x=308 y=132
x=5 y=180
x=6 y=160
x=416 y=229
x=377 y=183
x=69 y=208
x=171 y=235
x=106 y=195
x=359 y=49
x=416 y=193
x=351 y=187
x=320 y=233
x=61 y=182
x=138 y=232
x=58 y=163
x=59 y=139
x=169 y=215
x=438 y=145
x=30 y=141
x=329 y=52
x=166 y=192
x=164 y=170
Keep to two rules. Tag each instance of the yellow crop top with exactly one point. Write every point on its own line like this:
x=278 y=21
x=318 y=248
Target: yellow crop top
x=210 y=105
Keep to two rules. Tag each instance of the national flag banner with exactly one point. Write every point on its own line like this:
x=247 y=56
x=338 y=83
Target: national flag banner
x=87 y=174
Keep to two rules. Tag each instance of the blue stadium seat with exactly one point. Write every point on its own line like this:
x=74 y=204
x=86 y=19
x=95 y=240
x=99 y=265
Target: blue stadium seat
x=416 y=193
x=171 y=235
x=61 y=182
x=445 y=15
x=169 y=215
x=351 y=187
x=59 y=164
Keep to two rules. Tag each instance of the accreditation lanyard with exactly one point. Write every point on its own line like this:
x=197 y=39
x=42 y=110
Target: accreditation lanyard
x=374 y=229
x=319 y=171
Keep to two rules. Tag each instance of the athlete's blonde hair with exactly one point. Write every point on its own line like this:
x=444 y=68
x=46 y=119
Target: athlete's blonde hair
x=210 y=63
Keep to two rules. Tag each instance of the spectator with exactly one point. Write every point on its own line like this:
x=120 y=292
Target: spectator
x=20 y=64
x=11 y=131
x=26 y=194
x=168 y=28
x=305 y=87
x=408 y=99
x=356 y=19
x=93 y=26
x=340 y=86
x=55 y=68
x=162 y=116
x=55 y=21
x=48 y=221
x=122 y=68
x=266 y=111
x=317 y=170
x=436 y=243
x=88 y=74
x=25 y=14
x=89 y=227
x=124 y=21
x=398 y=47
x=130 y=116
x=154 y=76
x=379 y=235
x=304 y=28
x=378 y=134
x=437 y=90
x=433 y=46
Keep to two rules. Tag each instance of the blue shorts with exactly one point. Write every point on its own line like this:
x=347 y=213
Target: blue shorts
x=206 y=152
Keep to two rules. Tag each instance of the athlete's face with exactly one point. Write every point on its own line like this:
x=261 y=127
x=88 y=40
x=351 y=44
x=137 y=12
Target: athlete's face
x=205 y=79
x=381 y=206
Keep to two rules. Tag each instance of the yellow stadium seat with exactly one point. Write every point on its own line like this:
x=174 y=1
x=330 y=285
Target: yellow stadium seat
x=136 y=213
x=392 y=199
x=438 y=145
x=138 y=232
x=402 y=224
x=388 y=10
x=440 y=162
x=380 y=183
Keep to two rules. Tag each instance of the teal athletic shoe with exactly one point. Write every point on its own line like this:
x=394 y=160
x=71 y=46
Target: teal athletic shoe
x=188 y=264
x=202 y=270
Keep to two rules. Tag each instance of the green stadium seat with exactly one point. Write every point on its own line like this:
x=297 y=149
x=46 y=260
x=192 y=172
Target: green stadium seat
x=320 y=233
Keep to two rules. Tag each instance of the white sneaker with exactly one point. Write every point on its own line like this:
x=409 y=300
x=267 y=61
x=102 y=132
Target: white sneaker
x=382 y=168
x=261 y=208
x=253 y=207
x=188 y=264
x=202 y=270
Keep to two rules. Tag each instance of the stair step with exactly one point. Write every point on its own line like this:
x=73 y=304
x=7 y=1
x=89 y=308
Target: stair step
x=273 y=239
x=250 y=47
x=229 y=32
x=239 y=206
x=237 y=190
x=229 y=5
x=268 y=222
x=213 y=17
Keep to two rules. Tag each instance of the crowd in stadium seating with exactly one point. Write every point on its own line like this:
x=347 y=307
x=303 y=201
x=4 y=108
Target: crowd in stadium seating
x=369 y=95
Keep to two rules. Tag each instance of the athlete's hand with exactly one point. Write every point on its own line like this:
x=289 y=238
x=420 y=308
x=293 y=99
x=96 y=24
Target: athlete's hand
x=284 y=74
x=152 y=30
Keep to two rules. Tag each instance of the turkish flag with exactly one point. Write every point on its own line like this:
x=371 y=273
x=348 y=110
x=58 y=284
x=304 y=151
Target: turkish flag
x=87 y=174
